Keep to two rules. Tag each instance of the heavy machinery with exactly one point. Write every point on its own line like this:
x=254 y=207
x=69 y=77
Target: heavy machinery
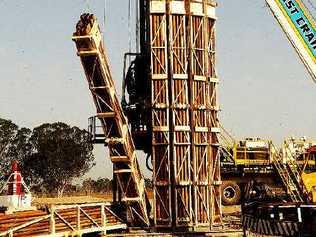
x=300 y=150
x=266 y=213
x=257 y=159
x=243 y=161
x=303 y=154
x=169 y=111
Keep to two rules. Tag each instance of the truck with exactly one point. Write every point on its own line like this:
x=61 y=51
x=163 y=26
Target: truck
x=243 y=161
x=260 y=160
x=265 y=213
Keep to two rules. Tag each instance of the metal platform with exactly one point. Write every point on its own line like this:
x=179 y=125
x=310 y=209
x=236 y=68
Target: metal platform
x=279 y=219
x=62 y=220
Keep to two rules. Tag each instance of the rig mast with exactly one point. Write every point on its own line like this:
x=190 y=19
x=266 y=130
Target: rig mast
x=178 y=48
x=171 y=108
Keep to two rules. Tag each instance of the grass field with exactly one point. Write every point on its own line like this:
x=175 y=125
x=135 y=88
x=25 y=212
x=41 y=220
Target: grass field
x=96 y=197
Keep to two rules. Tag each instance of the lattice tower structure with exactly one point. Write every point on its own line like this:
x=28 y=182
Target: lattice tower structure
x=126 y=170
x=184 y=107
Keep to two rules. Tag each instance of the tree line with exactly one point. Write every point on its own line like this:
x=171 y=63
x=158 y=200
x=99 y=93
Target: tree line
x=50 y=156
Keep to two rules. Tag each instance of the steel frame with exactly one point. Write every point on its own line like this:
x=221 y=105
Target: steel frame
x=184 y=81
x=180 y=110
x=64 y=220
x=160 y=120
x=115 y=126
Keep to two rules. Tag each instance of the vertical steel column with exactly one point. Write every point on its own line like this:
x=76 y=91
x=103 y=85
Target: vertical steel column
x=180 y=113
x=199 y=121
x=212 y=114
x=160 y=115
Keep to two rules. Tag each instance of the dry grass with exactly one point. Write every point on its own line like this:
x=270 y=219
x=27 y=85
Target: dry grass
x=94 y=198
x=97 y=197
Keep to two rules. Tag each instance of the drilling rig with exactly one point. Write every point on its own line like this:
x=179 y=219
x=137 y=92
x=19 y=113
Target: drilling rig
x=168 y=110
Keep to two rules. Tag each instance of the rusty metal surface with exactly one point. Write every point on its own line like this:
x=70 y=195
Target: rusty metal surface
x=186 y=172
x=130 y=182
x=61 y=219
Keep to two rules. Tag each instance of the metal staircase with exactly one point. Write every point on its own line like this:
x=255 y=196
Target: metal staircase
x=227 y=143
x=126 y=170
x=289 y=173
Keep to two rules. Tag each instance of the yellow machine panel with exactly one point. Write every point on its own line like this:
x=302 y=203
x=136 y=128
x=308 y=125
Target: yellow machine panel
x=309 y=181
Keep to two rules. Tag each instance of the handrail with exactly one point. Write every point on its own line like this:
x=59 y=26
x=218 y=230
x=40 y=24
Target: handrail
x=289 y=176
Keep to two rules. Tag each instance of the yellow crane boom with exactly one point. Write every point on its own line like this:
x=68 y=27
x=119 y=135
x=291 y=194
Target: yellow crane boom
x=300 y=29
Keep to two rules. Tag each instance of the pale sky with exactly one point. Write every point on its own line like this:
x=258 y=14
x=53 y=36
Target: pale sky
x=264 y=92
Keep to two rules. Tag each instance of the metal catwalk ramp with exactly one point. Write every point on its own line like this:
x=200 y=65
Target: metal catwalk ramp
x=130 y=181
x=61 y=220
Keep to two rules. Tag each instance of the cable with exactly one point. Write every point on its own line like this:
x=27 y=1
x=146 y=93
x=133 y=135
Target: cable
x=129 y=30
x=307 y=9
x=137 y=27
x=104 y=18
x=129 y=26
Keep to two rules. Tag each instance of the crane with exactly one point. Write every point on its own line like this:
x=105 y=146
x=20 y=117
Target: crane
x=299 y=27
